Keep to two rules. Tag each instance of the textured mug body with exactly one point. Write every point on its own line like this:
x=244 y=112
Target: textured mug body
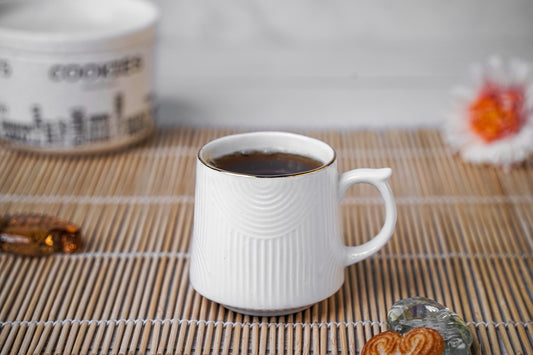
x=270 y=245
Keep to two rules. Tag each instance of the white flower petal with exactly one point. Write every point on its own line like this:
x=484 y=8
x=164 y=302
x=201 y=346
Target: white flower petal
x=497 y=154
x=529 y=100
x=519 y=71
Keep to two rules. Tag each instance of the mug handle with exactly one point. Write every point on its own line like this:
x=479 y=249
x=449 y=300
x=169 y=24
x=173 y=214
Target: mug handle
x=378 y=178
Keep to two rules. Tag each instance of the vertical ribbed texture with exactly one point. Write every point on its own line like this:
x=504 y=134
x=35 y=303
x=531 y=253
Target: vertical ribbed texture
x=266 y=244
x=464 y=237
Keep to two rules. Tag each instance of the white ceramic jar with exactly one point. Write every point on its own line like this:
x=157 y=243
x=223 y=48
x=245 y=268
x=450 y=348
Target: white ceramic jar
x=76 y=75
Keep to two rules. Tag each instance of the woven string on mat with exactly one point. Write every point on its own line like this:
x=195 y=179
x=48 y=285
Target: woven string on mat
x=464 y=237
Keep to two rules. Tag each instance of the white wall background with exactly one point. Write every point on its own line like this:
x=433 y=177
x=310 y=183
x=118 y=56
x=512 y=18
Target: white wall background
x=327 y=64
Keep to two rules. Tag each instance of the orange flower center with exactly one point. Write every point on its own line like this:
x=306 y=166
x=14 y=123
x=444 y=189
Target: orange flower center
x=497 y=112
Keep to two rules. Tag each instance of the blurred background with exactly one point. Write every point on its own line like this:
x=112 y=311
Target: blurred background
x=327 y=64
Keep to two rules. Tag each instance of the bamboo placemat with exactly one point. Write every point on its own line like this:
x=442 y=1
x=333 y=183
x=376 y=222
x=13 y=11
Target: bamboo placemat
x=464 y=237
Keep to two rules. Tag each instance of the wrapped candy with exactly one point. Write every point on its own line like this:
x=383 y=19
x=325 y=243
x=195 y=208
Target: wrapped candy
x=38 y=235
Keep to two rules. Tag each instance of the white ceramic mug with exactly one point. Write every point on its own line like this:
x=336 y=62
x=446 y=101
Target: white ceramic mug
x=273 y=245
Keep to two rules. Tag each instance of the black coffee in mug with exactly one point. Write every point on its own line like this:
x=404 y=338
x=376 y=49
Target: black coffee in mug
x=257 y=163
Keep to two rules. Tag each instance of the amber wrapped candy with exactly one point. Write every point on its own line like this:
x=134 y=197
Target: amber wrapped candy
x=38 y=235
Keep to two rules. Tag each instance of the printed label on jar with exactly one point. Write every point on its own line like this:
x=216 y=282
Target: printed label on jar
x=72 y=101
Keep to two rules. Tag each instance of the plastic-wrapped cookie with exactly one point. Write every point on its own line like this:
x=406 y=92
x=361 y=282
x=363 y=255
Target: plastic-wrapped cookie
x=416 y=312
x=419 y=341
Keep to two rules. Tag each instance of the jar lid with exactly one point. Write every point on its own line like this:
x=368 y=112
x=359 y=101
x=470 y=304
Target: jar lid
x=76 y=25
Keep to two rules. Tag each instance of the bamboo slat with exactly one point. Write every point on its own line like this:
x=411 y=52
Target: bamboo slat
x=464 y=237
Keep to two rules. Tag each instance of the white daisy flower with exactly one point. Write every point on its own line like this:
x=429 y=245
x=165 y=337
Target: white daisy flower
x=492 y=121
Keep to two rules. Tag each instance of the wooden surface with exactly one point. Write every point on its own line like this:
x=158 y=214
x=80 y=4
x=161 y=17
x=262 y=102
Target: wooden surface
x=464 y=237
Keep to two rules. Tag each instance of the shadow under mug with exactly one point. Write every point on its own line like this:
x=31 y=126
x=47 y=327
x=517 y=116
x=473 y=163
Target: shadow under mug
x=273 y=245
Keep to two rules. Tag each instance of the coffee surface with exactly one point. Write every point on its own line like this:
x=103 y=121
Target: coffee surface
x=265 y=163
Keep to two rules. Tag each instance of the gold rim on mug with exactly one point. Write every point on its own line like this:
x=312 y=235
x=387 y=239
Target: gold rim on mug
x=234 y=136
